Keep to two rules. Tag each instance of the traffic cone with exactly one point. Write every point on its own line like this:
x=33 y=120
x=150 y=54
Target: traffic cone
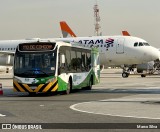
x=1 y=91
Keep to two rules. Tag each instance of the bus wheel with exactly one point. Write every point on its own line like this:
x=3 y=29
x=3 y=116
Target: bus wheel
x=143 y=75
x=90 y=85
x=68 y=90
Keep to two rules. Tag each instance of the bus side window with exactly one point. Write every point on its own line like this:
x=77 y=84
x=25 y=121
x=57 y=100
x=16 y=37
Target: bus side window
x=79 y=61
x=68 y=61
x=73 y=61
x=83 y=61
x=88 y=60
x=61 y=63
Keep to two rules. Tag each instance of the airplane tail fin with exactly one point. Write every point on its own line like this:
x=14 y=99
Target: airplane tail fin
x=125 y=33
x=66 y=30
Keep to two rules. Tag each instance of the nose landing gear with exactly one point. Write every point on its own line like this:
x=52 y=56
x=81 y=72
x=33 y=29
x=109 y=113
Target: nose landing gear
x=125 y=74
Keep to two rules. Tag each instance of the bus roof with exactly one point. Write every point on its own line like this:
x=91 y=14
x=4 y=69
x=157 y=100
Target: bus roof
x=56 y=43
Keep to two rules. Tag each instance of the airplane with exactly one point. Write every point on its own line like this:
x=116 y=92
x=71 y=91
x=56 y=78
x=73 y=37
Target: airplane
x=117 y=50
x=114 y=50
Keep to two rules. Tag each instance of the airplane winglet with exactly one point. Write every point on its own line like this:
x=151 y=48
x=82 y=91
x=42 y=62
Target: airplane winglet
x=125 y=33
x=66 y=30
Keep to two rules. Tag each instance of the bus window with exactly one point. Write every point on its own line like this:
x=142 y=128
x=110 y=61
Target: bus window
x=73 y=61
x=88 y=60
x=68 y=60
x=79 y=61
x=83 y=61
x=61 y=64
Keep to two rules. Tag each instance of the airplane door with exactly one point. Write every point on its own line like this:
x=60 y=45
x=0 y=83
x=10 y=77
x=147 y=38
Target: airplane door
x=120 y=46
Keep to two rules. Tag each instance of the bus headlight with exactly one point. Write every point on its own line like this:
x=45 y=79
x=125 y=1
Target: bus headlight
x=17 y=80
x=51 y=80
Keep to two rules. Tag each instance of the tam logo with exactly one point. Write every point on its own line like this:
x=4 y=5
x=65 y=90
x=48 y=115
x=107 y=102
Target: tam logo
x=109 y=43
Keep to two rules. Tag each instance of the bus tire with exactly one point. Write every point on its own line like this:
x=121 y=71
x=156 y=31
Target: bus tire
x=89 y=87
x=69 y=87
x=143 y=75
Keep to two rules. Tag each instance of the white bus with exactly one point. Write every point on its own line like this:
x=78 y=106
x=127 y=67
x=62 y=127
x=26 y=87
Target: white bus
x=41 y=67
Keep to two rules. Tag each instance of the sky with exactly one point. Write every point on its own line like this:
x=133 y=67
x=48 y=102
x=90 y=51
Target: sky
x=20 y=19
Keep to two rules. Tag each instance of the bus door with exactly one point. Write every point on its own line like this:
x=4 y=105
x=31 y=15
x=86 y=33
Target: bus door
x=96 y=65
x=62 y=71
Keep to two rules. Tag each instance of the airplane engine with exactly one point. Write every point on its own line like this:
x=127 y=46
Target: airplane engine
x=6 y=60
x=101 y=68
x=145 y=67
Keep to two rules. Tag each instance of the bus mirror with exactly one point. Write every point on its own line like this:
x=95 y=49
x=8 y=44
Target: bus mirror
x=62 y=58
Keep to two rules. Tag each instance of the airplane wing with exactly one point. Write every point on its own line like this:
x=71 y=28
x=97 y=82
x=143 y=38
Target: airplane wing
x=66 y=30
x=125 y=33
x=7 y=52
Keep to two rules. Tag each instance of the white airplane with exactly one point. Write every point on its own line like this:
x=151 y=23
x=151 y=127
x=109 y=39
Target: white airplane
x=116 y=50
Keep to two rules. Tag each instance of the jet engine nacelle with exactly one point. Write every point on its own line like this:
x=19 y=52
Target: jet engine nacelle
x=145 y=66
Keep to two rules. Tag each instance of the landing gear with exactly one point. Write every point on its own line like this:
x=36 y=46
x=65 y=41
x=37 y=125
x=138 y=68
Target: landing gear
x=127 y=70
x=125 y=74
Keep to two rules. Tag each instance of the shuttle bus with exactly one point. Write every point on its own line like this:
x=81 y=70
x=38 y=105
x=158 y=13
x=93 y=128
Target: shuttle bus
x=46 y=67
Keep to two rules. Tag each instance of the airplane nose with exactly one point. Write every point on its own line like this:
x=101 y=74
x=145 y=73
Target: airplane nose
x=155 y=54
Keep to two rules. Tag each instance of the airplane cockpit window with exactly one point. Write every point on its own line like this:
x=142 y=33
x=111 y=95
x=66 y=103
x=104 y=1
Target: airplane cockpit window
x=146 y=44
x=140 y=44
x=135 y=44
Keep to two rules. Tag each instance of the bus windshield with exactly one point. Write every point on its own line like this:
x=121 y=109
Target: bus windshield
x=35 y=64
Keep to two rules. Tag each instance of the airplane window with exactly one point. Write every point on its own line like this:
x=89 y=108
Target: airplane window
x=146 y=44
x=135 y=44
x=2 y=48
x=140 y=44
x=11 y=48
x=8 y=48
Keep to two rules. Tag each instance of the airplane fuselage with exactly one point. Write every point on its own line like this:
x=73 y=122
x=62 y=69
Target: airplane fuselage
x=119 y=50
x=114 y=50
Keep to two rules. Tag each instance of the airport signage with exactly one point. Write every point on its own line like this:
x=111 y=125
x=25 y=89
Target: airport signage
x=36 y=46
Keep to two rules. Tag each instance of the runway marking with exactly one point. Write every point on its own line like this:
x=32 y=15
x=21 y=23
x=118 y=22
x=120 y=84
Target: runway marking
x=81 y=107
x=2 y=115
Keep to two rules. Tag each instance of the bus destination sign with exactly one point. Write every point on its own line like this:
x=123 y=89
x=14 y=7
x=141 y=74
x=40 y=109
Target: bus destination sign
x=36 y=46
